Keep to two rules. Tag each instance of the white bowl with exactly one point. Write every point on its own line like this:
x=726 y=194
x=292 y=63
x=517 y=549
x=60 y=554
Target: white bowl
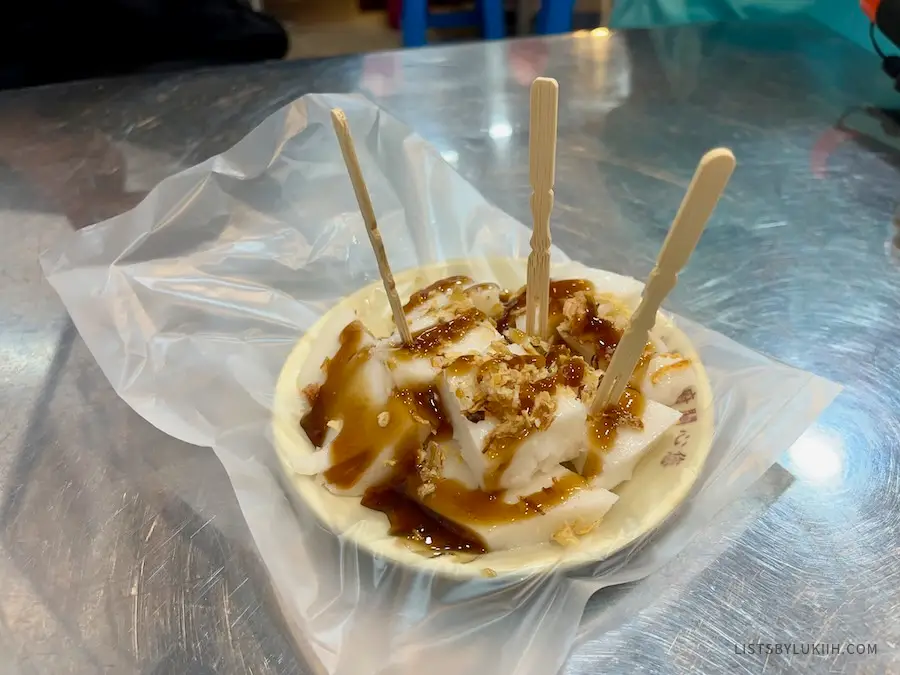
x=660 y=482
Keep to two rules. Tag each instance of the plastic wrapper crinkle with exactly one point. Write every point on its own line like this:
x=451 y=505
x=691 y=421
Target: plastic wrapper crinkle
x=192 y=302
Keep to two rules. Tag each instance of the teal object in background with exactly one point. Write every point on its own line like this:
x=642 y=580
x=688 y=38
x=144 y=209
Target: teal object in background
x=842 y=16
x=649 y=13
x=848 y=19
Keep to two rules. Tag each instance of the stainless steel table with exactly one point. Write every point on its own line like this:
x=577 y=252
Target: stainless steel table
x=123 y=551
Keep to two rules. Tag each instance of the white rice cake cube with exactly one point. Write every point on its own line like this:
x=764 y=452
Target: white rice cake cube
x=666 y=377
x=486 y=297
x=630 y=445
x=407 y=370
x=312 y=376
x=384 y=448
x=562 y=440
x=371 y=429
x=457 y=391
x=427 y=303
x=412 y=370
x=446 y=301
x=580 y=512
x=460 y=292
x=454 y=467
x=541 y=481
x=519 y=323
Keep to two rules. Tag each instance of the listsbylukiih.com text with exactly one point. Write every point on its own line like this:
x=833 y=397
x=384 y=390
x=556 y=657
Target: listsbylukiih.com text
x=807 y=648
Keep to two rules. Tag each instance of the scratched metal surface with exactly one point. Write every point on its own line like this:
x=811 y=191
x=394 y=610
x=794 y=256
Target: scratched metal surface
x=123 y=551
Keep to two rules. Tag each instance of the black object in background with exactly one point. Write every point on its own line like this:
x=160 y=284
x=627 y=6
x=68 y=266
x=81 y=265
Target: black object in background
x=887 y=20
x=45 y=41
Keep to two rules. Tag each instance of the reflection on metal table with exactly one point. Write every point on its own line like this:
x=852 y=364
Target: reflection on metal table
x=122 y=550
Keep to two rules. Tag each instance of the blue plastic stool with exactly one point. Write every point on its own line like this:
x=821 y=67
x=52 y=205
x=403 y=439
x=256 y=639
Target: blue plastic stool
x=555 y=16
x=416 y=20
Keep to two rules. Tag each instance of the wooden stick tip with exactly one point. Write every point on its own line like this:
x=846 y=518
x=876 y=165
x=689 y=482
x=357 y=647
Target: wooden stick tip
x=718 y=154
x=339 y=119
x=547 y=83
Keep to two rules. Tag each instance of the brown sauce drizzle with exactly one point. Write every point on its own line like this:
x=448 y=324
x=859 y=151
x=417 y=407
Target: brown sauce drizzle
x=461 y=365
x=431 y=340
x=572 y=372
x=602 y=428
x=330 y=395
x=408 y=410
x=600 y=333
x=436 y=527
x=641 y=368
x=456 y=502
x=426 y=404
x=362 y=439
x=559 y=351
x=560 y=291
x=412 y=521
x=346 y=474
x=662 y=371
x=439 y=286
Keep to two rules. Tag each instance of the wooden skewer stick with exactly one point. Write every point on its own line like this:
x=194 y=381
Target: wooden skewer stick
x=542 y=173
x=348 y=150
x=703 y=194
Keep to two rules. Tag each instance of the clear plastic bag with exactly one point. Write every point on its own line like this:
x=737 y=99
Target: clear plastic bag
x=192 y=302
